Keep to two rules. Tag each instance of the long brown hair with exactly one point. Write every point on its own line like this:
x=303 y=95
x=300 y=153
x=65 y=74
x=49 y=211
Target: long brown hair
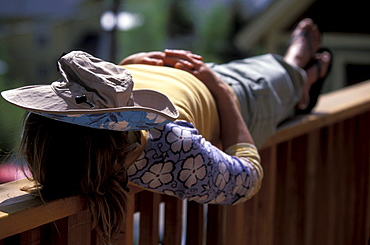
x=67 y=159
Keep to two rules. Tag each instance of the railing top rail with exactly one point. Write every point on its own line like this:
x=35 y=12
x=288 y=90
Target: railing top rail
x=332 y=107
x=21 y=211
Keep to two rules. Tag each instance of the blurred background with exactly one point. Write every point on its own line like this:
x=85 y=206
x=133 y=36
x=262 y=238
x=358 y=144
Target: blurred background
x=34 y=33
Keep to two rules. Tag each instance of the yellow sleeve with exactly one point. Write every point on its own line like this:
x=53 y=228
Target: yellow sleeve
x=248 y=154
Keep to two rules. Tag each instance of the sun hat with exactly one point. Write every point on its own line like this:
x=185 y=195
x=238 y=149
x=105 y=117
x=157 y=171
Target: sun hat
x=95 y=93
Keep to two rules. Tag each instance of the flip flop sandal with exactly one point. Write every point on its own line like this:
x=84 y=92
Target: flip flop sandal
x=315 y=89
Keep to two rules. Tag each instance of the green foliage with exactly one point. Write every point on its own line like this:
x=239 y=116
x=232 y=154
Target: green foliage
x=211 y=39
x=10 y=115
x=10 y=122
x=152 y=34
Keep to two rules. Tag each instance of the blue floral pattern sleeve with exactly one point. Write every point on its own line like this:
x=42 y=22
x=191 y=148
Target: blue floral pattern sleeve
x=178 y=161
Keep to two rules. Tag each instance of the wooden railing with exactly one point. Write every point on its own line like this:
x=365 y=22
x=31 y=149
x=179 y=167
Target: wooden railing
x=316 y=190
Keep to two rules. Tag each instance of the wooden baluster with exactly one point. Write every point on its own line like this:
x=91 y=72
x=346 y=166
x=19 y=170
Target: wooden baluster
x=11 y=240
x=362 y=196
x=173 y=221
x=340 y=182
x=349 y=142
x=79 y=228
x=216 y=225
x=289 y=196
x=31 y=237
x=234 y=222
x=283 y=151
x=330 y=146
x=127 y=233
x=316 y=201
x=57 y=232
x=149 y=218
x=265 y=218
x=251 y=221
x=195 y=223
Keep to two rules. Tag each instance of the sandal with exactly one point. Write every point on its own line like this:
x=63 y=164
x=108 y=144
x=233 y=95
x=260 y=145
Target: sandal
x=315 y=89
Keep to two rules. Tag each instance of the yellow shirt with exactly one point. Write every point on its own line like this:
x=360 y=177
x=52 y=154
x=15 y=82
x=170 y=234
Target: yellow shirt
x=191 y=97
x=196 y=105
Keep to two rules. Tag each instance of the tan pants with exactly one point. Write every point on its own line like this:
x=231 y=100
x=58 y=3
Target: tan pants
x=267 y=89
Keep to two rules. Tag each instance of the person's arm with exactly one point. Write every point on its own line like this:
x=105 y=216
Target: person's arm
x=233 y=127
x=148 y=58
x=156 y=58
x=178 y=161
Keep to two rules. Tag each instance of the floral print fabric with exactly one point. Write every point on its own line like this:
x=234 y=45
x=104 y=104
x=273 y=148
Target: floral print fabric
x=178 y=161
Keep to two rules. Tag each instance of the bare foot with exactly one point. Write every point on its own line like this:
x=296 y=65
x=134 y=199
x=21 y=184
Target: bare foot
x=304 y=43
x=314 y=73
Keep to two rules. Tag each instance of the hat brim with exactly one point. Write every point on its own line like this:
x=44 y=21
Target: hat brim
x=118 y=121
x=151 y=108
x=42 y=98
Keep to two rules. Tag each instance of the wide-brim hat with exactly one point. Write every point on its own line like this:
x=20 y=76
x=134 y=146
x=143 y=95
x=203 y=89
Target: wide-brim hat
x=97 y=94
